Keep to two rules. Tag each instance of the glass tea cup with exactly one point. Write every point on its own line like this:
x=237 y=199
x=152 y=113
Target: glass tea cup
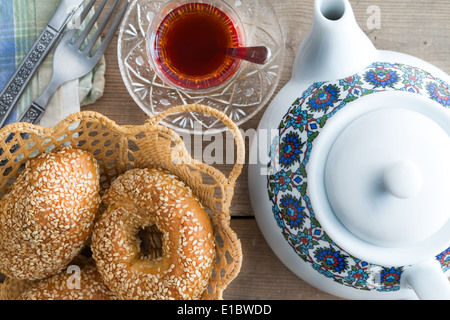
x=198 y=46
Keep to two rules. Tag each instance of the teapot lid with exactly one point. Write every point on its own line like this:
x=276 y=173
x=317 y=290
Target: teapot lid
x=379 y=179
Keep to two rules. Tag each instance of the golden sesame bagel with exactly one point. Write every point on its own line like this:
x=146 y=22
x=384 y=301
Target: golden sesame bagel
x=11 y=288
x=75 y=283
x=139 y=199
x=48 y=214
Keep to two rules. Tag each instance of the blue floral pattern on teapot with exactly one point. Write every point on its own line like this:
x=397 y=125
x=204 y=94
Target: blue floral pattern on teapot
x=287 y=179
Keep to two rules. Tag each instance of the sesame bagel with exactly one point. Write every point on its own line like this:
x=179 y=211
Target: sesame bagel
x=75 y=283
x=139 y=199
x=48 y=214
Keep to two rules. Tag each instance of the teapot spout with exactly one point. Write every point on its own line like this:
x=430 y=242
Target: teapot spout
x=335 y=46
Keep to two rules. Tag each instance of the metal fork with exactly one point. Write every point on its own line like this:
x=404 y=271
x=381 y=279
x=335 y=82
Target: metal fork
x=71 y=60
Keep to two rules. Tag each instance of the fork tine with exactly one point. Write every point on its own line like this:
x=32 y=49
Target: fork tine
x=90 y=24
x=100 y=29
x=109 y=36
x=69 y=34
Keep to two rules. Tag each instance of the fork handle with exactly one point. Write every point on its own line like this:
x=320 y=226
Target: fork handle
x=33 y=113
x=36 y=109
x=10 y=94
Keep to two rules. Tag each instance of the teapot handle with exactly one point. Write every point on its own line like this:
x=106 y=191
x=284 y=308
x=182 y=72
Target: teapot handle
x=428 y=281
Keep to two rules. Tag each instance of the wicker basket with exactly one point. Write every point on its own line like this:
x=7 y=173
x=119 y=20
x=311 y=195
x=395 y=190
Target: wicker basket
x=120 y=148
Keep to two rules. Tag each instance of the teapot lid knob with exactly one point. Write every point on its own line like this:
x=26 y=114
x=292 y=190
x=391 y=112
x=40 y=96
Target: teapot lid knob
x=403 y=180
x=384 y=172
x=379 y=178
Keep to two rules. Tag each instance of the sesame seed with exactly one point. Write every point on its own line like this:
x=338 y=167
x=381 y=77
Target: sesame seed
x=172 y=276
x=53 y=227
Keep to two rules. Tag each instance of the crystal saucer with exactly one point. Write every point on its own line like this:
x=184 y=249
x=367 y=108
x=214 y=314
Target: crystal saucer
x=240 y=100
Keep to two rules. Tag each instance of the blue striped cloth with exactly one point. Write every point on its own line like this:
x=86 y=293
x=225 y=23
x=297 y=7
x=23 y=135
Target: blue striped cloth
x=7 y=41
x=21 y=22
x=8 y=48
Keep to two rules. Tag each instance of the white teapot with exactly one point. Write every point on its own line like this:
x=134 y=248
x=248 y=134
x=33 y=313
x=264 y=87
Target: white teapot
x=351 y=183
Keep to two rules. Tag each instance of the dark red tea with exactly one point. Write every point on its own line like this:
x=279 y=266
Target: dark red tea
x=191 y=43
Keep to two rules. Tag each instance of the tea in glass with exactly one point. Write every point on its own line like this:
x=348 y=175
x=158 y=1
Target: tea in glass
x=188 y=45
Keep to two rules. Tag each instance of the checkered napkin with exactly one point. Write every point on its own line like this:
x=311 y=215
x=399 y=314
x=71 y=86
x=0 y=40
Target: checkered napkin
x=21 y=22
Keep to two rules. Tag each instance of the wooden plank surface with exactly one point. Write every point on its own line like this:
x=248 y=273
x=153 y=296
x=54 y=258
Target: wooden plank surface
x=420 y=28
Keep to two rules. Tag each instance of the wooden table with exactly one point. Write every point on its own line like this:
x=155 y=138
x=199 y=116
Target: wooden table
x=420 y=28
